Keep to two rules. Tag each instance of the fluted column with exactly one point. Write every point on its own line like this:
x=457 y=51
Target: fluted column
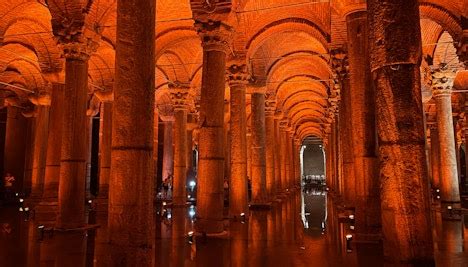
x=131 y=190
x=39 y=152
x=71 y=200
x=259 y=194
x=270 y=147
x=442 y=82
x=238 y=194
x=180 y=101
x=435 y=156
x=400 y=127
x=215 y=37
x=54 y=144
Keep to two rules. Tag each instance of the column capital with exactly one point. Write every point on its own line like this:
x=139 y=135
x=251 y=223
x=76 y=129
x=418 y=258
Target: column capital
x=106 y=96
x=217 y=8
x=215 y=35
x=180 y=98
x=270 y=108
x=339 y=62
x=443 y=78
x=42 y=99
x=237 y=71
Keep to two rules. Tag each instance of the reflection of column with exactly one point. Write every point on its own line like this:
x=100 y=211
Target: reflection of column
x=238 y=244
x=178 y=233
x=168 y=152
x=180 y=98
x=435 y=157
x=131 y=191
x=238 y=195
x=270 y=149
x=39 y=152
x=15 y=145
x=258 y=149
x=54 y=144
x=215 y=36
x=258 y=237
x=449 y=188
x=400 y=127
x=74 y=151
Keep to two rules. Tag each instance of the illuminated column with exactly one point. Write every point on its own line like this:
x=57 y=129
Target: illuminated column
x=362 y=115
x=131 y=186
x=283 y=154
x=105 y=148
x=259 y=194
x=442 y=83
x=180 y=99
x=249 y=153
x=297 y=163
x=405 y=208
x=277 y=152
x=168 y=147
x=238 y=194
x=435 y=156
x=39 y=153
x=215 y=37
x=292 y=159
x=54 y=144
x=270 y=106
x=71 y=198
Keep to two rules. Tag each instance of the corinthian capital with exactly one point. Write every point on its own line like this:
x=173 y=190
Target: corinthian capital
x=215 y=35
x=237 y=71
x=180 y=98
x=442 y=79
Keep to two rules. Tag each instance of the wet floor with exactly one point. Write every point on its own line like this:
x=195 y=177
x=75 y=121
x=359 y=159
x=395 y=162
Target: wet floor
x=301 y=230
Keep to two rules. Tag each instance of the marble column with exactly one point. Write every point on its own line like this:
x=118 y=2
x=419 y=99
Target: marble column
x=270 y=147
x=363 y=129
x=15 y=145
x=105 y=148
x=435 y=156
x=168 y=147
x=215 y=37
x=259 y=193
x=442 y=82
x=131 y=191
x=54 y=144
x=71 y=197
x=238 y=191
x=277 y=152
x=39 y=153
x=405 y=207
x=180 y=99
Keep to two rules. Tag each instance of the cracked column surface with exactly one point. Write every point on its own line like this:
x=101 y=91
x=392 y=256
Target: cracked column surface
x=395 y=39
x=131 y=191
x=215 y=36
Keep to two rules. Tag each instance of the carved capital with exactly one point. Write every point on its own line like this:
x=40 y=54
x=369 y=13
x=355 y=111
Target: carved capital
x=180 y=98
x=215 y=35
x=442 y=80
x=339 y=63
x=270 y=107
x=237 y=72
x=205 y=8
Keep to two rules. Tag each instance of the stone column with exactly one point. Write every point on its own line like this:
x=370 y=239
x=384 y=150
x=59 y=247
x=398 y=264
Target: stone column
x=442 y=82
x=238 y=194
x=283 y=154
x=249 y=153
x=180 y=98
x=54 y=144
x=15 y=145
x=277 y=152
x=105 y=148
x=259 y=194
x=292 y=159
x=361 y=93
x=215 y=37
x=168 y=147
x=435 y=156
x=270 y=147
x=131 y=191
x=71 y=198
x=405 y=207
x=39 y=152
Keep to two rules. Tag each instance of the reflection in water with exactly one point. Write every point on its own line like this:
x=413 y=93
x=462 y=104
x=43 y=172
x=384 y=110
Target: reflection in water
x=303 y=229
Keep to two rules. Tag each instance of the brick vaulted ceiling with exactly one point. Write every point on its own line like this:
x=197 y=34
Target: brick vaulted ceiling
x=287 y=43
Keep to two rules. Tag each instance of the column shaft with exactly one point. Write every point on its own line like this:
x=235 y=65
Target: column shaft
x=405 y=207
x=238 y=194
x=179 y=196
x=270 y=155
x=277 y=152
x=168 y=152
x=131 y=190
x=105 y=149
x=435 y=157
x=73 y=156
x=259 y=194
x=15 y=145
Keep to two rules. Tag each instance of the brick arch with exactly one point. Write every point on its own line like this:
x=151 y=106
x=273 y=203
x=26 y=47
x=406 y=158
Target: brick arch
x=444 y=17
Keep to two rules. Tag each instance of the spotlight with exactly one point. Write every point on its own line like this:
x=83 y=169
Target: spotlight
x=349 y=237
x=190 y=237
x=90 y=201
x=351 y=217
x=438 y=197
x=26 y=209
x=16 y=194
x=21 y=200
x=449 y=207
x=189 y=196
x=21 y=209
x=192 y=183
x=164 y=203
x=437 y=190
x=192 y=213
x=351 y=227
x=169 y=215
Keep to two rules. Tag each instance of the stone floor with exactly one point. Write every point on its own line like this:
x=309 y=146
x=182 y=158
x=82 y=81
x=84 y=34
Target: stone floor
x=301 y=230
